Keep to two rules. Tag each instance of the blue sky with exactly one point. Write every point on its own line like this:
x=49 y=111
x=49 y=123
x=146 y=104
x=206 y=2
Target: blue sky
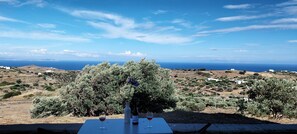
x=220 y=31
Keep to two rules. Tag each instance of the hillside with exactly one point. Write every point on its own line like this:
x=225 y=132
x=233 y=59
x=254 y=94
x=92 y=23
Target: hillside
x=220 y=89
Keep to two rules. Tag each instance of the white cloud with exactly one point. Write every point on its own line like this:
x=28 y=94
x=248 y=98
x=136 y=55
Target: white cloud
x=288 y=3
x=246 y=28
x=290 y=10
x=117 y=26
x=19 y=3
x=182 y=22
x=39 y=51
x=80 y=54
x=9 y=1
x=38 y=3
x=242 y=17
x=119 y=32
x=96 y=15
x=2 y=18
x=41 y=36
x=285 y=20
x=6 y=53
x=128 y=53
x=47 y=25
x=241 y=6
x=43 y=51
x=160 y=12
x=292 y=41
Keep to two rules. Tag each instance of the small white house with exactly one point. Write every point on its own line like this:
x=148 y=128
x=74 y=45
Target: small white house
x=238 y=82
x=271 y=70
x=212 y=79
x=49 y=71
x=5 y=67
x=39 y=74
x=232 y=69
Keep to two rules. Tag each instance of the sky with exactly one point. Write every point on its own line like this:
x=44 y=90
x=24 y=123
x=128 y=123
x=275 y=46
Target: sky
x=199 y=31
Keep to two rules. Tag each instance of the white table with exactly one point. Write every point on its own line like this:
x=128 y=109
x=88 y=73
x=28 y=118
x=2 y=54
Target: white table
x=117 y=126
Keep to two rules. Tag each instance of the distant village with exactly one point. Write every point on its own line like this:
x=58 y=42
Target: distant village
x=9 y=68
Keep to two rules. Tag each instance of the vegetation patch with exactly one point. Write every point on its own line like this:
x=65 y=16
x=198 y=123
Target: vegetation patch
x=11 y=94
x=5 y=83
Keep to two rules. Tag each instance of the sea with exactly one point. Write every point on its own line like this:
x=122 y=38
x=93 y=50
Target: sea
x=78 y=65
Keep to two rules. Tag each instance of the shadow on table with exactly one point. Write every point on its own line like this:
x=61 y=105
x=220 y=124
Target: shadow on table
x=40 y=128
x=213 y=118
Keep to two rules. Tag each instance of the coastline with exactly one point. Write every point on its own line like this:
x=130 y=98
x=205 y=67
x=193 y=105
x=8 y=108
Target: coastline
x=78 y=65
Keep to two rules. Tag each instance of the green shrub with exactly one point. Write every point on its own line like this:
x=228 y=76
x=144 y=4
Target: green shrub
x=274 y=94
x=47 y=106
x=107 y=87
x=21 y=87
x=11 y=94
x=242 y=72
x=19 y=81
x=29 y=96
x=201 y=69
x=242 y=106
x=196 y=106
x=290 y=111
x=5 y=83
x=35 y=84
x=229 y=89
x=257 y=109
x=186 y=89
x=48 y=88
x=228 y=71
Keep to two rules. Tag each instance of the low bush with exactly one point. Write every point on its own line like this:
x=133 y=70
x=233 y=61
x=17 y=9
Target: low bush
x=19 y=81
x=21 y=87
x=48 y=88
x=274 y=95
x=242 y=72
x=47 y=106
x=257 y=109
x=228 y=71
x=5 y=83
x=28 y=96
x=196 y=106
x=35 y=84
x=11 y=94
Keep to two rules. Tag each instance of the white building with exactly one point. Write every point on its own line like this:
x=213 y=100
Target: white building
x=49 y=71
x=232 y=69
x=271 y=70
x=5 y=67
x=238 y=82
x=212 y=79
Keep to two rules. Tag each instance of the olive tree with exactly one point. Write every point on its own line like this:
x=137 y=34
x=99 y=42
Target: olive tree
x=279 y=95
x=106 y=87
